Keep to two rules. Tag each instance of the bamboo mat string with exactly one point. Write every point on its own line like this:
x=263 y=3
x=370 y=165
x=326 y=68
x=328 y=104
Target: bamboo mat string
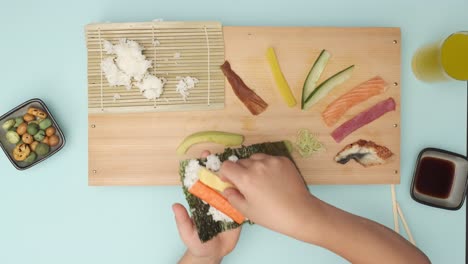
x=209 y=63
x=100 y=54
x=154 y=61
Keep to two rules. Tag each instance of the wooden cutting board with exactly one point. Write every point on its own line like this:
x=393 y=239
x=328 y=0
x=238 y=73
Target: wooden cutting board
x=139 y=149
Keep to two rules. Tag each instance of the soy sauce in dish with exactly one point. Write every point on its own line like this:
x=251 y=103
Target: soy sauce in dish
x=434 y=177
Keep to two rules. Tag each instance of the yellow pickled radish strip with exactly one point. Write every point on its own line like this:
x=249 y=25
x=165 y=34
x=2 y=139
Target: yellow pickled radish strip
x=212 y=180
x=281 y=82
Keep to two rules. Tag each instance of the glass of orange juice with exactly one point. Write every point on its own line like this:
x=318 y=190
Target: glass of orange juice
x=444 y=60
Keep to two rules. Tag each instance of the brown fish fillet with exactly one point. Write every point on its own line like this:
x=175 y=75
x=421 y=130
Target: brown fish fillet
x=251 y=100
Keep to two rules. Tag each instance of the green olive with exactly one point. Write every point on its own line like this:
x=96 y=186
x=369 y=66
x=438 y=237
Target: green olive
x=8 y=124
x=42 y=149
x=39 y=136
x=31 y=158
x=18 y=121
x=33 y=128
x=44 y=124
x=12 y=137
x=35 y=122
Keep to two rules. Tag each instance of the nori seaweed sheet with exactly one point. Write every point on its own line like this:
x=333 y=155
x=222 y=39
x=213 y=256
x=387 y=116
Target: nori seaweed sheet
x=208 y=228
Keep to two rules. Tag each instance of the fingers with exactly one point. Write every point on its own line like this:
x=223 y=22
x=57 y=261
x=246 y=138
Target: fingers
x=232 y=171
x=183 y=221
x=205 y=154
x=236 y=199
x=246 y=163
x=259 y=156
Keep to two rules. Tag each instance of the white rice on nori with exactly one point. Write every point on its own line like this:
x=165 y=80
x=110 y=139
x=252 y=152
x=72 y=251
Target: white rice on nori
x=218 y=215
x=213 y=163
x=207 y=228
x=191 y=176
x=191 y=173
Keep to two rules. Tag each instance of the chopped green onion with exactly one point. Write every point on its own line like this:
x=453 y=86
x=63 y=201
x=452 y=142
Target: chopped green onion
x=307 y=144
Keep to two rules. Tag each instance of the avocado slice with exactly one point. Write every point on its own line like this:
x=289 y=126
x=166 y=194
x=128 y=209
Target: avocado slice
x=225 y=138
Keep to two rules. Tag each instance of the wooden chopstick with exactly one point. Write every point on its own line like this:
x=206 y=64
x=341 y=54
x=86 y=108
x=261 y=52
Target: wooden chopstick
x=395 y=210
x=405 y=225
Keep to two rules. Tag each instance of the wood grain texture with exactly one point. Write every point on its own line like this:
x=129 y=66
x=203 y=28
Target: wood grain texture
x=139 y=149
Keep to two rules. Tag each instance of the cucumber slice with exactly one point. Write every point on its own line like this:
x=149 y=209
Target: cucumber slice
x=324 y=88
x=314 y=75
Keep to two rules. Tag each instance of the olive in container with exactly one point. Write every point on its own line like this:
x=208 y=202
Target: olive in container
x=29 y=134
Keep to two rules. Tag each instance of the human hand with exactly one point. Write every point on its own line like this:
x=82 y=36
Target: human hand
x=270 y=192
x=211 y=251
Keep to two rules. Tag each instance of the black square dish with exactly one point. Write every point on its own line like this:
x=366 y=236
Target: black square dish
x=440 y=179
x=20 y=111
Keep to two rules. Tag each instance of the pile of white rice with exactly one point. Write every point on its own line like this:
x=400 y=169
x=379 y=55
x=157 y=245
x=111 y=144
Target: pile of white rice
x=129 y=66
x=185 y=84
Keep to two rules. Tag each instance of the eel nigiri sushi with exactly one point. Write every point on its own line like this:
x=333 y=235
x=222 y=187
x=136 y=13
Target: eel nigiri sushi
x=366 y=153
x=358 y=94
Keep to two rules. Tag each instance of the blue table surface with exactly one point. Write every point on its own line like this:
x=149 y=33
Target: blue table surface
x=48 y=214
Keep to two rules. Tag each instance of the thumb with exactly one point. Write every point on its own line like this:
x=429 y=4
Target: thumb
x=184 y=222
x=236 y=199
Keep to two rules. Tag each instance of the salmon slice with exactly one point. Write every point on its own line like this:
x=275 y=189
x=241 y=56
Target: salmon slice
x=358 y=94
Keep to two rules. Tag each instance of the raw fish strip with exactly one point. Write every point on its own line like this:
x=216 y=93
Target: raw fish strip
x=251 y=100
x=358 y=94
x=363 y=119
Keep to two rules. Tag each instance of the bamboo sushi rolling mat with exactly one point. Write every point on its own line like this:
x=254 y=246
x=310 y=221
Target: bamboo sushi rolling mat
x=201 y=49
